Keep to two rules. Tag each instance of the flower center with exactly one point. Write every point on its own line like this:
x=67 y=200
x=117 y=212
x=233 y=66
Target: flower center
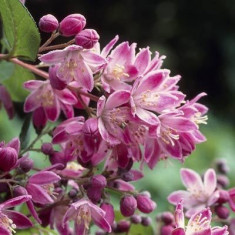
x=199 y=119
x=84 y=216
x=7 y=223
x=168 y=135
x=47 y=98
x=197 y=224
x=118 y=72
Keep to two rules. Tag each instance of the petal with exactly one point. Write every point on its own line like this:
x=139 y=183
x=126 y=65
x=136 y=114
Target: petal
x=109 y=46
x=33 y=211
x=178 y=231
x=121 y=54
x=210 y=181
x=66 y=96
x=99 y=219
x=147 y=116
x=4 y=231
x=69 y=214
x=54 y=57
x=193 y=210
x=33 y=84
x=43 y=178
x=53 y=111
x=20 y=220
x=178 y=196
x=100 y=105
x=92 y=58
x=32 y=101
x=117 y=99
x=151 y=81
x=142 y=60
x=14 y=143
x=83 y=75
x=38 y=194
x=220 y=230
x=191 y=179
x=15 y=201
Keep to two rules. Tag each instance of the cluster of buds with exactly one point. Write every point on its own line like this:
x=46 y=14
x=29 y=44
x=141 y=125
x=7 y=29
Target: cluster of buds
x=121 y=108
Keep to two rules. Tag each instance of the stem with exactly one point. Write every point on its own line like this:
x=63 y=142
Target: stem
x=120 y=191
x=92 y=97
x=8 y=181
x=53 y=36
x=30 y=147
x=88 y=110
x=58 y=46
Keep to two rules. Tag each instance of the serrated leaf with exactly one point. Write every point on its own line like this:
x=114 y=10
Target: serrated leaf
x=21 y=35
x=6 y=70
x=14 y=84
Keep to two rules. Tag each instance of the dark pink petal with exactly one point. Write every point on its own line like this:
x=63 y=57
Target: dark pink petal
x=173 y=149
x=109 y=212
x=232 y=198
x=210 y=181
x=33 y=211
x=39 y=195
x=100 y=105
x=20 y=220
x=191 y=179
x=109 y=46
x=80 y=228
x=178 y=231
x=69 y=214
x=15 y=201
x=100 y=220
x=4 y=231
x=32 y=101
x=121 y=53
x=5 y=98
x=147 y=116
x=117 y=99
x=39 y=118
x=67 y=110
x=124 y=186
x=142 y=60
x=53 y=111
x=66 y=96
x=43 y=178
x=54 y=57
x=136 y=174
x=14 y=143
x=33 y=84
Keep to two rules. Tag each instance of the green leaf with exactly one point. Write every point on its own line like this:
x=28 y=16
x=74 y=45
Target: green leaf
x=6 y=70
x=25 y=132
x=138 y=229
x=14 y=84
x=20 y=33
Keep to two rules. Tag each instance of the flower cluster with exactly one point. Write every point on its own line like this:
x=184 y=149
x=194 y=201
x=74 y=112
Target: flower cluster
x=120 y=108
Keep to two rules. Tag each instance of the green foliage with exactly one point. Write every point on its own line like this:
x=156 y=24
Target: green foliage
x=20 y=34
x=6 y=70
x=25 y=132
x=14 y=84
x=37 y=230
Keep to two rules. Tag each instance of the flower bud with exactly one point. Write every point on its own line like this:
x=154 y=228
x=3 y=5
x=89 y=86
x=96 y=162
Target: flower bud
x=39 y=119
x=222 y=181
x=123 y=226
x=26 y=164
x=136 y=219
x=166 y=230
x=94 y=194
x=48 y=23
x=222 y=212
x=223 y=197
x=146 y=221
x=145 y=204
x=167 y=217
x=128 y=205
x=98 y=181
x=8 y=158
x=127 y=176
x=87 y=38
x=222 y=166
x=55 y=82
x=73 y=193
x=47 y=148
x=5 y=98
x=19 y=191
x=72 y=25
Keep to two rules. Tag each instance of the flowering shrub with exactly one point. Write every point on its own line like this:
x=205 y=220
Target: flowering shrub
x=121 y=110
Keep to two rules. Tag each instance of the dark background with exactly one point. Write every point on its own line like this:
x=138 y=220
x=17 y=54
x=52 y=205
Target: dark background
x=198 y=38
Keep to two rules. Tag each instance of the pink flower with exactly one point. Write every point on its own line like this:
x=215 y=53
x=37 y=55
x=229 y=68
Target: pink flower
x=51 y=100
x=9 y=219
x=82 y=212
x=199 y=194
x=155 y=92
x=199 y=224
x=40 y=186
x=76 y=64
x=113 y=117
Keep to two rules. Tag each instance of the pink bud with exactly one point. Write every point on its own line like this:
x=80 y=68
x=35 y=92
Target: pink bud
x=94 y=194
x=136 y=219
x=48 y=23
x=122 y=226
x=8 y=158
x=167 y=217
x=39 y=119
x=72 y=25
x=146 y=221
x=128 y=205
x=222 y=181
x=87 y=38
x=145 y=204
x=26 y=164
x=56 y=83
x=47 y=148
x=222 y=212
x=5 y=98
x=166 y=230
x=223 y=196
x=98 y=181
x=19 y=191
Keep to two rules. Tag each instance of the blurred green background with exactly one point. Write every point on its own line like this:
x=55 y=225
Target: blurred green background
x=198 y=38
